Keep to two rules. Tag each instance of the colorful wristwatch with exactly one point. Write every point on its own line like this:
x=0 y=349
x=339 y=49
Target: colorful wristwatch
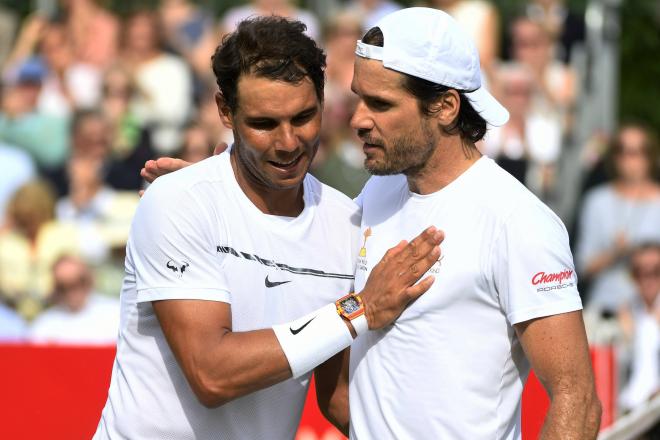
x=351 y=308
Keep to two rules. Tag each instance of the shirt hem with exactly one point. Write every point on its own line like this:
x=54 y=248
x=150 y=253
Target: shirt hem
x=163 y=293
x=545 y=310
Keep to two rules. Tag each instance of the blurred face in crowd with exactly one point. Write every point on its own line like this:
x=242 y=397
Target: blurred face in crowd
x=117 y=91
x=397 y=137
x=645 y=268
x=72 y=281
x=516 y=91
x=142 y=33
x=276 y=129
x=531 y=43
x=92 y=138
x=196 y=145
x=631 y=154
x=56 y=48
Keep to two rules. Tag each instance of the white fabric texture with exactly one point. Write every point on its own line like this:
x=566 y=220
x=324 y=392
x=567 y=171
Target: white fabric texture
x=451 y=366
x=196 y=235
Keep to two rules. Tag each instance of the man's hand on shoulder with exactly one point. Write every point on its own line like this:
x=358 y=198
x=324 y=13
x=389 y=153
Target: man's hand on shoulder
x=153 y=169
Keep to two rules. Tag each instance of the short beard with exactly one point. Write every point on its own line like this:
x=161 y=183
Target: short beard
x=405 y=156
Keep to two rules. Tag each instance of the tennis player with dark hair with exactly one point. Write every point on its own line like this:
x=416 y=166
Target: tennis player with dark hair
x=239 y=269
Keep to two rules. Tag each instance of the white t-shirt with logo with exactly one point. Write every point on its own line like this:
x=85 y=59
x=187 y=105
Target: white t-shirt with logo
x=197 y=236
x=451 y=366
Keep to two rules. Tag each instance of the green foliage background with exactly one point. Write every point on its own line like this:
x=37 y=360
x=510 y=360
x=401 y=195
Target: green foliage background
x=639 y=44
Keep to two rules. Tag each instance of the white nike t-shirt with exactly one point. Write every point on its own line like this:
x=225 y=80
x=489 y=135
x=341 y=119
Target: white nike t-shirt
x=451 y=366
x=197 y=236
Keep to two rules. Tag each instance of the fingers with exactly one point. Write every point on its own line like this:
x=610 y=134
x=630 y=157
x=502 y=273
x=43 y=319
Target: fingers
x=396 y=250
x=414 y=292
x=161 y=166
x=424 y=243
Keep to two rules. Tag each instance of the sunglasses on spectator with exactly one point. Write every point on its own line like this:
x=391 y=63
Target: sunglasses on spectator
x=64 y=287
x=643 y=273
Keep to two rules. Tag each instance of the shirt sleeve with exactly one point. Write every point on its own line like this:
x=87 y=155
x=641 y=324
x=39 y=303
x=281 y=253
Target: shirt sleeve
x=172 y=248
x=533 y=267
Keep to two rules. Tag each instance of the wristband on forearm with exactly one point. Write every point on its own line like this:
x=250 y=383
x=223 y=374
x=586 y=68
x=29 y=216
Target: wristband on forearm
x=309 y=341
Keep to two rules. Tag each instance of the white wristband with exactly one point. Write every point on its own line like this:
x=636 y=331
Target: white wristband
x=360 y=324
x=311 y=340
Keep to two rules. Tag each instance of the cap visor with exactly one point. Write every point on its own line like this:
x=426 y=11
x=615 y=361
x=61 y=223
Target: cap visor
x=488 y=107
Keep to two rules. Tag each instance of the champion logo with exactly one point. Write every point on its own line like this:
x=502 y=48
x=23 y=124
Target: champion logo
x=557 y=277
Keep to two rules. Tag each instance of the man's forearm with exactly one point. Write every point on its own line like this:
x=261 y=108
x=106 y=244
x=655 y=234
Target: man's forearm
x=572 y=415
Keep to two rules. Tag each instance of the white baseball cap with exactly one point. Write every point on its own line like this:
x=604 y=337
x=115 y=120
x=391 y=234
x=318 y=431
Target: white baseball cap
x=427 y=43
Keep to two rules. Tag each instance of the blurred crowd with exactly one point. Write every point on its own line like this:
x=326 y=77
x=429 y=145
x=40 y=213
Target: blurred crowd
x=87 y=96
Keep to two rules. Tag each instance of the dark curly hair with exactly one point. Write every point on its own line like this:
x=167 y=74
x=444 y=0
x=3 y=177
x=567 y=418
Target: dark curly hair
x=468 y=124
x=273 y=47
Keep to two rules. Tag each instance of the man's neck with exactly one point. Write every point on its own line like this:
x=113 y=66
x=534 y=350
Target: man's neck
x=451 y=158
x=283 y=202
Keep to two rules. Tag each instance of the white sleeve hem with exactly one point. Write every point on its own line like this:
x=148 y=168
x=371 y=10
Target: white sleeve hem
x=163 y=293
x=556 y=308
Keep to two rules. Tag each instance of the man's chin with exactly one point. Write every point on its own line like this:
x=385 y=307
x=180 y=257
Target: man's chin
x=376 y=168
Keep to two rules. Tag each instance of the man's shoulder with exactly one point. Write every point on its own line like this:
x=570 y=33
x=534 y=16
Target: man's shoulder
x=505 y=196
x=325 y=195
x=206 y=173
x=381 y=186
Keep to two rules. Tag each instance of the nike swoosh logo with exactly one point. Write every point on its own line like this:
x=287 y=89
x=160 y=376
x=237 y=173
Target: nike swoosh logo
x=295 y=332
x=270 y=283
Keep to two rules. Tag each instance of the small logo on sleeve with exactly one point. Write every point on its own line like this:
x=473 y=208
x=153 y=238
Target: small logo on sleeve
x=177 y=267
x=557 y=280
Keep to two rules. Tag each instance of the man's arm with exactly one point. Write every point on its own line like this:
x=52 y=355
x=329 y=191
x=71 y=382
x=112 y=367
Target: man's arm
x=557 y=349
x=331 y=379
x=221 y=365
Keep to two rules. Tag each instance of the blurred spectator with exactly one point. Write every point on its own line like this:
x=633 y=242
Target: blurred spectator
x=93 y=30
x=618 y=216
x=533 y=47
x=207 y=117
x=8 y=25
x=531 y=137
x=12 y=326
x=640 y=321
x=29 y=245
x=563 y=25
x=283 y=8
x=163 y=81
x=552 y=102
x=190 y=31
x=68 y=84
x=197 y=144
x=16 y=169
x=25 y=44
x=101 y=215
x=369 y=12
x=91 y=139
x=129 y=143
x=79 y=315
x=43 y=136
x=481 y=21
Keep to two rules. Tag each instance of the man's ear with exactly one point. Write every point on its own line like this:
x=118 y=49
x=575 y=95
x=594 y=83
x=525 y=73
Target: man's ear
x=446 y=108
x=223 y=111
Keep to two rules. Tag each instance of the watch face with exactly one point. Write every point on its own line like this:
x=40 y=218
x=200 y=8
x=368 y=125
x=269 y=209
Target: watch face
x=350 y=305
